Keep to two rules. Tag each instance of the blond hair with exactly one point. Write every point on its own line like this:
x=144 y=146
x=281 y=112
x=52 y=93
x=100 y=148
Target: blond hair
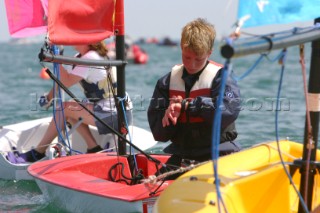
x=100 y=47
x=198 y=36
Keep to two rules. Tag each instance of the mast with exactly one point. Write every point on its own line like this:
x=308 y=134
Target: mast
x=307 y=173
x=120 y=55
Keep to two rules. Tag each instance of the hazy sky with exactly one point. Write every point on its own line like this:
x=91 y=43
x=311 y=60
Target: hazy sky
x=159 y=18
x=148 y=18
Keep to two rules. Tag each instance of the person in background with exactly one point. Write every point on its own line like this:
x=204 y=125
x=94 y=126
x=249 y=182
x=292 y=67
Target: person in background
x=184 y=101
x=99 y=84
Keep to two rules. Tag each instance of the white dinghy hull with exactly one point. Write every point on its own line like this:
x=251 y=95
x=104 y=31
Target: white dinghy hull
x=26 y=135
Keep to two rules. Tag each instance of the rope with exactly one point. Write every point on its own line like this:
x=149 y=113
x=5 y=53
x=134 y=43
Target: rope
x=216 y=129
x=308 y=122
x=59 y=102
x=249 y=71
x=275 y=148
x=282 y=61
x=152 y=179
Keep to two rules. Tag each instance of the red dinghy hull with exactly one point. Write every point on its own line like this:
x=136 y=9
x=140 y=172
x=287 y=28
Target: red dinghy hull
x=95 y=183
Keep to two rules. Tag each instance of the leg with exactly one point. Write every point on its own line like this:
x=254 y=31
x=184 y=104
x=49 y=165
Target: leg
x=38 y=153
x=73 y=112
x=49 y=135
x=84 y=131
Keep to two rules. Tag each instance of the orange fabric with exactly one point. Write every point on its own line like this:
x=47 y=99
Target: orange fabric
x=75 y=22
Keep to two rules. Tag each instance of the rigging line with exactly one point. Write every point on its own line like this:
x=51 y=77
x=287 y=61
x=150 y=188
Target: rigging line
x=57 y=73
x=100 y=120
x=303 y=70
x=57 y=125
x=111 y=89
x=216 y=128
x=309 y=126
x=249 y=71
x=127 y=126
x=277 y=58
x=152 y=179
x=283 y=60
x=275 y=148
x=157 y=189
x=120 y=172
x=61 y=114
x=55 y=50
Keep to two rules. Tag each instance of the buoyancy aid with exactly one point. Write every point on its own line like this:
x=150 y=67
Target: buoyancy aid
x=101 y=89
x=194 y=136
x=202 y=87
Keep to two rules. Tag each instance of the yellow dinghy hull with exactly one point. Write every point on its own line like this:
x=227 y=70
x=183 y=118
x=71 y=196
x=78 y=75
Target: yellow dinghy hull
x=253 y=180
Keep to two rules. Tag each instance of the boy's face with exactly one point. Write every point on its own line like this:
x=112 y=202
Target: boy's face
x=193 y=62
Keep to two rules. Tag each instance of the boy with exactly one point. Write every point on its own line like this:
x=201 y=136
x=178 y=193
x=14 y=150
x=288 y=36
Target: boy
x=183 y=103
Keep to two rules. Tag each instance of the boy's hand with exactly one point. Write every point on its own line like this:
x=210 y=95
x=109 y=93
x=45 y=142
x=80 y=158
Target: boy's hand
x=173 y=112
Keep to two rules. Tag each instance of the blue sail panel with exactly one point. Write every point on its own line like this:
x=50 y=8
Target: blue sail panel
x=266 y=12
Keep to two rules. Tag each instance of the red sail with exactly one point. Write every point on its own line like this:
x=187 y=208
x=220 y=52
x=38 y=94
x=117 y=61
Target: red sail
x=76 y=22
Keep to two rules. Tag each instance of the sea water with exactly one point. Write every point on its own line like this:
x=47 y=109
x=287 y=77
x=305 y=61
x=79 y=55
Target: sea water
x=20 y=85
